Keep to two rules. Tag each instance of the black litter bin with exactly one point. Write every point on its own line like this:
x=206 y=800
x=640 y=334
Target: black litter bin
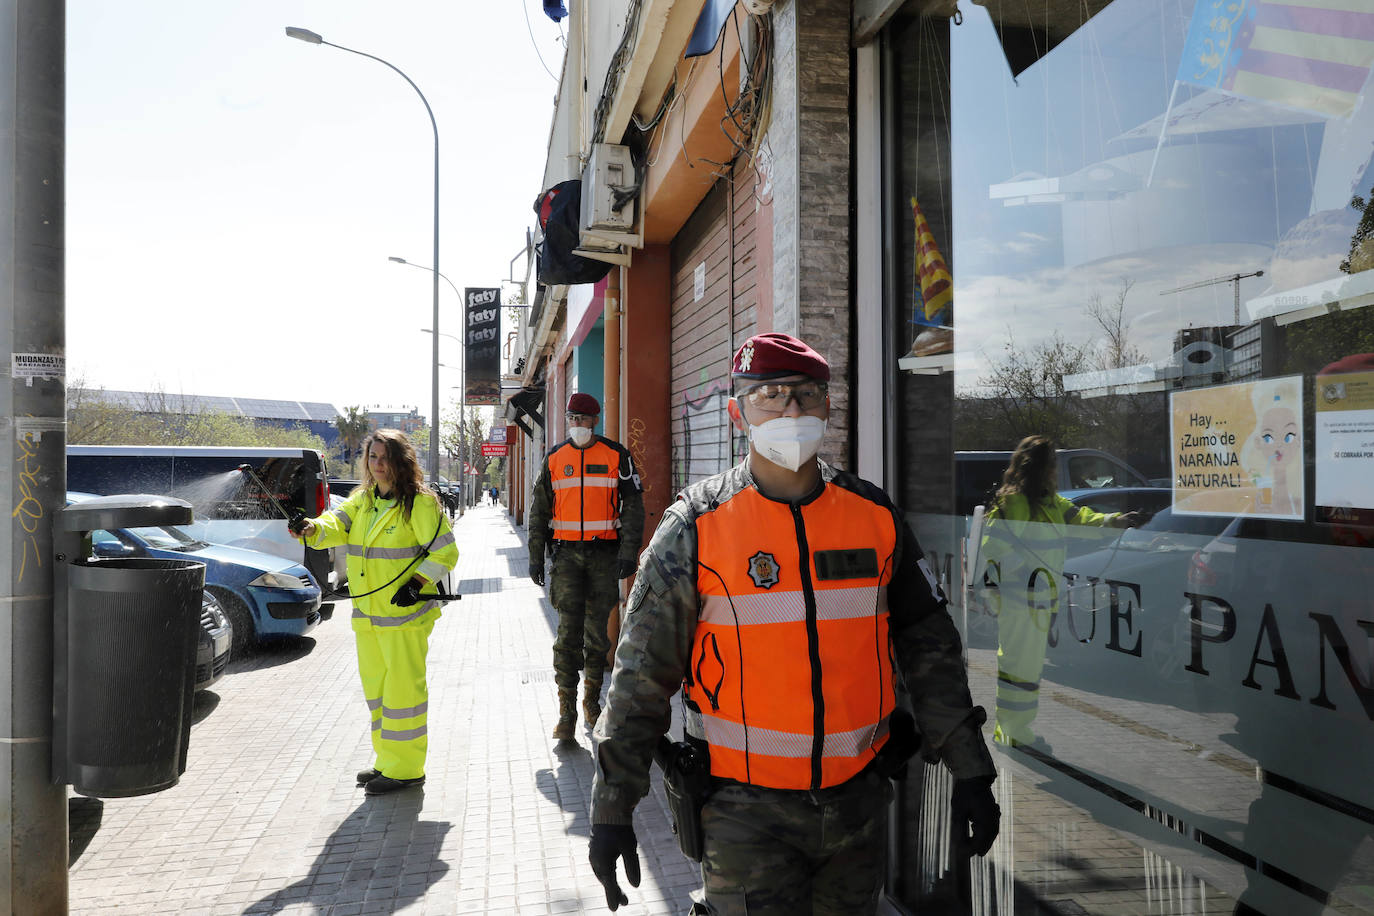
x=127 y=650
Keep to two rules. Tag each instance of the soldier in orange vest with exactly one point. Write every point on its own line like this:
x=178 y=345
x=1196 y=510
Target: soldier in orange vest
x=786 y=597
x=588 y=508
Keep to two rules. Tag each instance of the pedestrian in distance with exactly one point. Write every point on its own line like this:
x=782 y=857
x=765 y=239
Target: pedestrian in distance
x=785 y=598
x=399 y=545
x=588 y=508
x=1023 y=553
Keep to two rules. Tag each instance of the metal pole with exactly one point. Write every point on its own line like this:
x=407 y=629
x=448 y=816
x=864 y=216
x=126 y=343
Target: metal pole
x=33 y=873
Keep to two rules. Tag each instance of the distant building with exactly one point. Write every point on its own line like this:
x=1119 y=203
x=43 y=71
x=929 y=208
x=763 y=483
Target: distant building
x=316 y=416
x=406 y=419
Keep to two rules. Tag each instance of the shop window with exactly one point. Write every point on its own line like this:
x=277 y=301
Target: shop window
x=1163 y=255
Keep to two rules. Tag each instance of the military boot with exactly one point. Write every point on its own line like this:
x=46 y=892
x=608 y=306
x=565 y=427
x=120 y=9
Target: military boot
x=591 y=701
x=565 y=730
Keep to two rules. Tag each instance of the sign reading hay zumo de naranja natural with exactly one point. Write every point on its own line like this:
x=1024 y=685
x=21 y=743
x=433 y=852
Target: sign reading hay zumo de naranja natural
x=1238 y=449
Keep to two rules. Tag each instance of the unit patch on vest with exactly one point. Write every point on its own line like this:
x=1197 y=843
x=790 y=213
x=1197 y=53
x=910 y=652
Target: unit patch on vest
x=598 y=469
x=763 y=569
x=567 y=470
x=854 y=563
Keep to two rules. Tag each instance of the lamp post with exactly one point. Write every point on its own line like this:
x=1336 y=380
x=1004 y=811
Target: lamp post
x=314 y=38
x=462 y=377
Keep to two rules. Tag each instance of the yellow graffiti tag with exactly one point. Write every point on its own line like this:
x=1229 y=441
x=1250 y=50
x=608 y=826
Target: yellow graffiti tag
x=30 y=510
x=638 y=430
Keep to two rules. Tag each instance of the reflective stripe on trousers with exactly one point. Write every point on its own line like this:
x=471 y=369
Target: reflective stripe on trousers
x=391 y=663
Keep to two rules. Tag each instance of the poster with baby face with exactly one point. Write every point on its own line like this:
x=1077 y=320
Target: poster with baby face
x=1238 y=449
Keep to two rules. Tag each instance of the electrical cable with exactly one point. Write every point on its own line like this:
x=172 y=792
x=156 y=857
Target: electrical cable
x=530 y=28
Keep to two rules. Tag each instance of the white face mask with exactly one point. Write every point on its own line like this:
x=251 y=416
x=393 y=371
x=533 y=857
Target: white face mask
x=788 y=442
x=580 y=436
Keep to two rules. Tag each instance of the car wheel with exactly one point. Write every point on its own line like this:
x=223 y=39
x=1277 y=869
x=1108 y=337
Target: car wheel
x=245 y=634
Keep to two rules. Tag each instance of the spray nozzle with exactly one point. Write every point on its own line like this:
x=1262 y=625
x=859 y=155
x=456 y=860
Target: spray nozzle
x=247 y=469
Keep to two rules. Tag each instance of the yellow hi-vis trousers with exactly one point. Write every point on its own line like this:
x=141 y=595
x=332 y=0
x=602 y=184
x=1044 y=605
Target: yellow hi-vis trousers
x=391 y=661
x=1023 y=624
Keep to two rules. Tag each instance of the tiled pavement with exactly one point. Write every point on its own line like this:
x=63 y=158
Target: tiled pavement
x=267 y=818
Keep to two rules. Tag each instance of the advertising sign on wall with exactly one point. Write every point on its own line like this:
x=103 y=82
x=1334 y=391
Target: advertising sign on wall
x=1345 y=447
x=482 y=347
x=1238 y=449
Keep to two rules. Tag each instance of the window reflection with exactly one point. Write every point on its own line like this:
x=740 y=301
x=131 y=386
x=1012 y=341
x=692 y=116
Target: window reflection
x=1161 y=252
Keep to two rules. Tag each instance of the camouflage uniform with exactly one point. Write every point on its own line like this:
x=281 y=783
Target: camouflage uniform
x=584 y=586
x=786 y=851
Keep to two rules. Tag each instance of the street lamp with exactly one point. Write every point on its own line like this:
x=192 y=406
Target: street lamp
x=462 y=374
x=314 y=38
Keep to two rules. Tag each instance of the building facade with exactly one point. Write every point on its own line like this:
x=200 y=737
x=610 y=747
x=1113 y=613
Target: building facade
x=1075 y=220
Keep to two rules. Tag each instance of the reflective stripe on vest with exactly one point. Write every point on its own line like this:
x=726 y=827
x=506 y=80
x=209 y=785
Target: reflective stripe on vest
x=792 y=673
x=586 y=491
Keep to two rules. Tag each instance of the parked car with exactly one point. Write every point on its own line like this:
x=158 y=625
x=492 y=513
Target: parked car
x=1148 y=567
x=214 y=649
x=1145 y=500
x=977 y=474
x=264 y=596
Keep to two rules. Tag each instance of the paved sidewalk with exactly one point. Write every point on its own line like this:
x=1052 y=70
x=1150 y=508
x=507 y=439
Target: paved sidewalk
x=267 y=818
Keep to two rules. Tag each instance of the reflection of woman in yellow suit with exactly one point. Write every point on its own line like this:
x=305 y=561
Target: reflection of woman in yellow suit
x=1024 y=560
x=1273 y=452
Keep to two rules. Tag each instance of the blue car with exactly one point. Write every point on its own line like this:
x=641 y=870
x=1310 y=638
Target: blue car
x=264 y=596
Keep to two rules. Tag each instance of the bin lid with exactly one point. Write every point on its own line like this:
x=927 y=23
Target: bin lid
x=126 y=510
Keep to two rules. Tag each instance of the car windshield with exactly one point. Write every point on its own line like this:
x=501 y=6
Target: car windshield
x=167 y=537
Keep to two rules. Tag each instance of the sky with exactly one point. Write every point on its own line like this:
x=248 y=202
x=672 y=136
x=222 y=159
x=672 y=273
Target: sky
x=233 y=195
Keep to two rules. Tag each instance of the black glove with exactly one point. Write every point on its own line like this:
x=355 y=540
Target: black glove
x=975 y=813
x=610 y=842
x=537 y=571
x=626 y=568
x=296 y=523
x=407 y=595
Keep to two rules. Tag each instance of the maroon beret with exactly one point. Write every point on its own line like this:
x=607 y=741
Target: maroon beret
x=776 y=355
x=583 y=404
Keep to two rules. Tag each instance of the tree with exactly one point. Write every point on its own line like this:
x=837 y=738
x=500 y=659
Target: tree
x=1025 y=395
x=353 y=427
x=1025 y=391
x=163 y=420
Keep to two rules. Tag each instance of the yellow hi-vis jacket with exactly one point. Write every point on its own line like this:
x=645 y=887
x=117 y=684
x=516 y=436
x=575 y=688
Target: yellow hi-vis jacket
x=386 y=548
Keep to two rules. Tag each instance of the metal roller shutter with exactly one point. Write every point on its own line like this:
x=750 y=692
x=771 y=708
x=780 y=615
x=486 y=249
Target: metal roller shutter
x=713 y=312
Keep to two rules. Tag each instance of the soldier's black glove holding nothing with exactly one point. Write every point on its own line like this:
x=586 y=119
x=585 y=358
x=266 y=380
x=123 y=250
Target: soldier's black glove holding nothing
x=407 y=594
x=296 y=523
x=626 y=568
x=537 y=571
x=611 y=842
x=975 y=813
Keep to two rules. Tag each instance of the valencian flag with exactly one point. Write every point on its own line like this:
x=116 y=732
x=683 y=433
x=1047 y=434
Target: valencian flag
x=1312 y=55
x=482 y=347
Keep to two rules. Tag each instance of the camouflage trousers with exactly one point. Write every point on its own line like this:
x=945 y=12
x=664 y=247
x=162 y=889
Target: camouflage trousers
x=583 y=588
x=770 y=851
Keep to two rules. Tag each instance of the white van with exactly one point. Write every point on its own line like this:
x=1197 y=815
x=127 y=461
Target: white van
x=231 y=507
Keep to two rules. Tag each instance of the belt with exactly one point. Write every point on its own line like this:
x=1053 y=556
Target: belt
x=861 y=782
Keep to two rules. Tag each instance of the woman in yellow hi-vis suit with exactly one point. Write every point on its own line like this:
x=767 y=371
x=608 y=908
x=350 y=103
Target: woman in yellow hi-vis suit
x=1024 y=549
x=399 y=545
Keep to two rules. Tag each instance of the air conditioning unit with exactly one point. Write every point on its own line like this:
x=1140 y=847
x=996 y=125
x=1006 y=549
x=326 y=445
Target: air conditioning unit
x=609 y=222
x=609 y=189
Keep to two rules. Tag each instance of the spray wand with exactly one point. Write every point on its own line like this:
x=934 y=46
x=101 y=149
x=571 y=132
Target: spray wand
x=293 y=519
x=295 y=523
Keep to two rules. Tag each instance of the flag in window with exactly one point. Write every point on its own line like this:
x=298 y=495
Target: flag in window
x=933 y=286
x=1315 y=56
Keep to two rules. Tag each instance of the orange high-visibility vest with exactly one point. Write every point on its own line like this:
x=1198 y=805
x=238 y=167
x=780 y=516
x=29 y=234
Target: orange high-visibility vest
x=791 y=664
x=586 y=491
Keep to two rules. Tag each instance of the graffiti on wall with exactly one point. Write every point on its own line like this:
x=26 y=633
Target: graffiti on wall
x=707 y=444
